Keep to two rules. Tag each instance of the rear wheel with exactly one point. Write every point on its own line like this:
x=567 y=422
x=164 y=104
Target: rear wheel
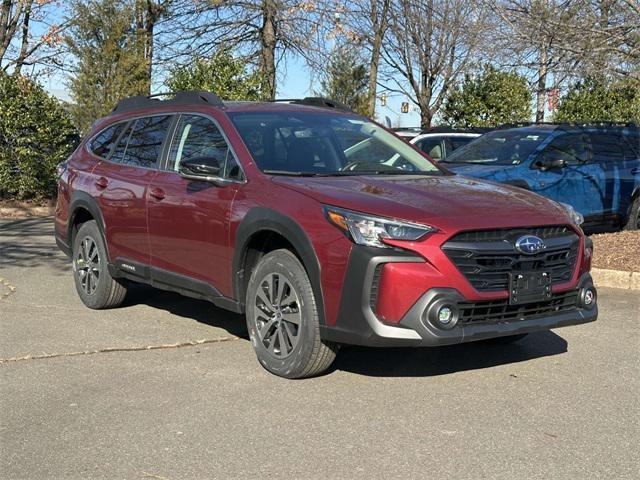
x=95 y=286
x=282 y=318
x=633 y=222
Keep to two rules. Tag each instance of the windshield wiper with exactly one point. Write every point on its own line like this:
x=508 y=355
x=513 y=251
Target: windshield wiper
x=290 y=173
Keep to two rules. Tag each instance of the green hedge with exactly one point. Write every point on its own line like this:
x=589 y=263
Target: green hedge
x=35 y=135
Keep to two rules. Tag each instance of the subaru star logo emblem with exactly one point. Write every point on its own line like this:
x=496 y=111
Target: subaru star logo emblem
x=530 y=244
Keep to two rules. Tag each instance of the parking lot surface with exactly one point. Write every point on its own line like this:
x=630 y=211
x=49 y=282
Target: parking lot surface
x=168 y=387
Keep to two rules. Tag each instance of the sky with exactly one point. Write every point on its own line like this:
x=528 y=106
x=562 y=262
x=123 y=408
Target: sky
x=293 y=82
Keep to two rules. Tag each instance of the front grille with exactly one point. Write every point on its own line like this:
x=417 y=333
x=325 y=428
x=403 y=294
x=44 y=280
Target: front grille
x=496 y=311
x=486 y=258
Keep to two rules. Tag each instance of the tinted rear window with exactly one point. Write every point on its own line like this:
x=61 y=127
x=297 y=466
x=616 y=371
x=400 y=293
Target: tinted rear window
x=145 y=143
x=102 y=143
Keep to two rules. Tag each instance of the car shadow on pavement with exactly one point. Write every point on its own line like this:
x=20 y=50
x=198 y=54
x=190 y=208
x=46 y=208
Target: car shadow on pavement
x=375 y=362
x=428 y=362
x=188 y=308
x=28 y=242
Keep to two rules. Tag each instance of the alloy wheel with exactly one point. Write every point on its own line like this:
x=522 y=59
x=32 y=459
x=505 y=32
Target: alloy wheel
x=277 y=315
x=87 y=265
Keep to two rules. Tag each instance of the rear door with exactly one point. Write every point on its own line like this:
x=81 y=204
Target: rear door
x=608 y=156
x=189 y=220
x=122 y=182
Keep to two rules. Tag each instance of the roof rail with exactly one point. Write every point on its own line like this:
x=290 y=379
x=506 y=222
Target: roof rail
x=316 y=102
x=177 y=98
x=575 y=124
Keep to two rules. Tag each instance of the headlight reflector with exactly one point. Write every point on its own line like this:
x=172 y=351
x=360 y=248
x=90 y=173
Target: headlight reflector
x=369 y=230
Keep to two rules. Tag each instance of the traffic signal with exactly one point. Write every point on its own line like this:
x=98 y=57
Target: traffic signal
x=405 y=107
x=383 y=99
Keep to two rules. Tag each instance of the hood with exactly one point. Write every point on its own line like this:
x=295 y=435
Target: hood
x=448 y=202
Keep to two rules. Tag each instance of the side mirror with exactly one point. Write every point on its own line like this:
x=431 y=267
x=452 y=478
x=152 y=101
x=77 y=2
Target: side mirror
x=551 y=159
x=205 y=169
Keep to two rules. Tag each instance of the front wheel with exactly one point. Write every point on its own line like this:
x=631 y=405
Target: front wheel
x=633 y=223
x=282 y=318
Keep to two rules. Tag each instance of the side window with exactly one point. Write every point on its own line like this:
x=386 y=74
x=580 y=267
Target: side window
x=631 y=146
x=103 y=143
x=457 y=142
x=432 y=147
x=606 y=147
x=198 y=136
x=145 y=142
x=118 y=153
x=571 y=147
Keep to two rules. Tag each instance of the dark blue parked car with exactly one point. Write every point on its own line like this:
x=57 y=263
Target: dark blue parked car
x=593 y=168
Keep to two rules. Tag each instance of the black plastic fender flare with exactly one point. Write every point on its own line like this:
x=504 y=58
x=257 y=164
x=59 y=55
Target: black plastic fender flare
x=260 y=219
x=82 y=200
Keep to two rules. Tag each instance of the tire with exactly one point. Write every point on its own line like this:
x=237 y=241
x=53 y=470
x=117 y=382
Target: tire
x=282 y=318
x=95 y=286
x=505 y=340
x=633 y=223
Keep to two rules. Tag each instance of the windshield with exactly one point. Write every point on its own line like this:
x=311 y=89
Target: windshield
x=308 y=143
x=507 y=147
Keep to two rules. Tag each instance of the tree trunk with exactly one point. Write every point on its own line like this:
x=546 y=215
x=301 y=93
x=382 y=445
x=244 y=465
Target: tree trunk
x=8 y=23
x=373 y=75
x=25 y=39
x=425 y=116
x=542 y=84
x=152 y=16
x=379 y=22
x=268 y=48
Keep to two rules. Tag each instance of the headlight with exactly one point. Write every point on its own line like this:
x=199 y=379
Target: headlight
x=369 y=230
x=576 y=217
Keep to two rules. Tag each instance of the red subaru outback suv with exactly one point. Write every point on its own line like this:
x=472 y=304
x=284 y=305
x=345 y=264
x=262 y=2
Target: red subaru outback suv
x=318 y=224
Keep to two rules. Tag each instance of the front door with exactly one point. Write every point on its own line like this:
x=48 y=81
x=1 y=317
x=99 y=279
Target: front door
x=580 y=183
x=189 y=220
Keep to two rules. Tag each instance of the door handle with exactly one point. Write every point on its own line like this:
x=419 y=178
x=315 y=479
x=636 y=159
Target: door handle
x=102 y=182
x=156 y=193
x=635 y=171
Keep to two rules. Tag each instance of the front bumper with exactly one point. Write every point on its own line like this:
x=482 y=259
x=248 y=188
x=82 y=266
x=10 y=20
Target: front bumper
x=358 y=324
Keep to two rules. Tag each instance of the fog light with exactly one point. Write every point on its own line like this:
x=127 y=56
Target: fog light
x=445 y=315
x=589 y=297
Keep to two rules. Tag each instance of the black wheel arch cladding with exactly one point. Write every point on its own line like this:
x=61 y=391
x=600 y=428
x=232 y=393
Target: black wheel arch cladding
x=259 y=220
x=83 y=201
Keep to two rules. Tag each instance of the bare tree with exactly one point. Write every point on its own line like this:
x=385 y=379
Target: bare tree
x=364 y=23
x=429 y=44
x=264 y=30
x=10 y=14
x=559 y=40
x=18 y=45
x=148 y=13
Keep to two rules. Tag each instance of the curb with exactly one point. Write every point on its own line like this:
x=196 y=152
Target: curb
x=603 y=277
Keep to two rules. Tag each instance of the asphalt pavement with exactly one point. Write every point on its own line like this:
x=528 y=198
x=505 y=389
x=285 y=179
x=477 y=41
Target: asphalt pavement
x=168 y=388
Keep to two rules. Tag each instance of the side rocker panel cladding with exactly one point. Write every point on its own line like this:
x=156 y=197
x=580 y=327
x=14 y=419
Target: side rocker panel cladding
x=260 y=219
